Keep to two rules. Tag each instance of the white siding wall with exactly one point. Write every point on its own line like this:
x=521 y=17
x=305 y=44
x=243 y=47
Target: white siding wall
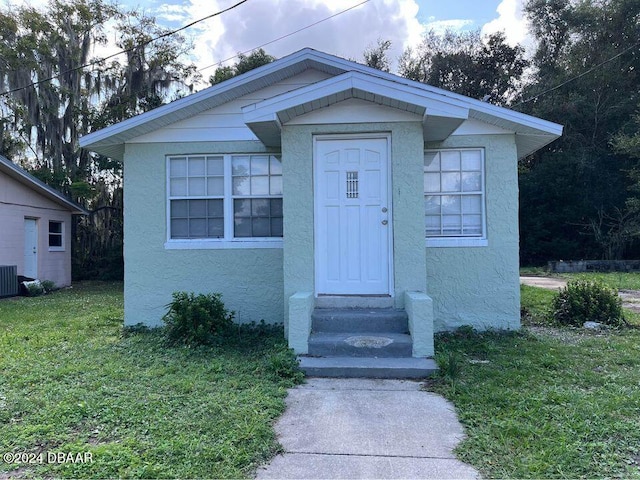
x=225 y=123
x=18 y=202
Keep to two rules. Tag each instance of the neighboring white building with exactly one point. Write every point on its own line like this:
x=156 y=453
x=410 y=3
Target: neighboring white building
x=35 y=226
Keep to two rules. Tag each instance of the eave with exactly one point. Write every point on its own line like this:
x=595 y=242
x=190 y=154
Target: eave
x=22 y=176
x=442 y=111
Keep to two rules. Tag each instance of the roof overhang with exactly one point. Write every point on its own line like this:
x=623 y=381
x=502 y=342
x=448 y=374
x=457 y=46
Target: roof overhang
x=442 y=111
x=439 y=118
x=22 y=176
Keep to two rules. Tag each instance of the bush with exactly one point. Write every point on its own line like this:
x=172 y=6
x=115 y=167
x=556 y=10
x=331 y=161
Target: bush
x=33 y=288
x=587 y=301
x=196 y=319
x=48 y=286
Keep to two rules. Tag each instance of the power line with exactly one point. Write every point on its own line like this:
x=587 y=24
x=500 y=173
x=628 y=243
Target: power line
x=283 y=36
x=586 y=72
x=142 y=44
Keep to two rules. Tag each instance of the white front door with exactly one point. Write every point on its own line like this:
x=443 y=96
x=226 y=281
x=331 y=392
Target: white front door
x=30 y=248
x=353 y=215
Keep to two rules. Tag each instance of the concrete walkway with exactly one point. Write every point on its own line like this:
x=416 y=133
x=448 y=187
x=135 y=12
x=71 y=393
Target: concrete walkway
x=357 y=428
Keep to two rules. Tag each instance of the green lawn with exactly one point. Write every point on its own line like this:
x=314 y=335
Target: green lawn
x=547 y=402
x=619 y=280
x=71 y=381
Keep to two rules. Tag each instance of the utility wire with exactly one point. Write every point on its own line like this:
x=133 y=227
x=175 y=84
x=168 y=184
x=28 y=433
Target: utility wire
x=142 y=44
x=586 y=72
x=282 y=37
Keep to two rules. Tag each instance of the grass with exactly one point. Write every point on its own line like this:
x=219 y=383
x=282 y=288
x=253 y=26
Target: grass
x=71 y=380
x=535 y=304
x=546 y=402
x=619 y=280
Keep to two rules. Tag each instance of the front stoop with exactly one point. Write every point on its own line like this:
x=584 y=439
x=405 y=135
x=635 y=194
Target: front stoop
x=362 y=343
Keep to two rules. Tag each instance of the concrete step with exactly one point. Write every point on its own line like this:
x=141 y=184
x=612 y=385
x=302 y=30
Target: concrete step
x=366 y=344
x=359 y=320
x=366 y=367
x=354 y=301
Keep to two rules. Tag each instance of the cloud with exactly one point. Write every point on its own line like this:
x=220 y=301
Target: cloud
x=441 y=26
x=511 y=21
x=255 y=23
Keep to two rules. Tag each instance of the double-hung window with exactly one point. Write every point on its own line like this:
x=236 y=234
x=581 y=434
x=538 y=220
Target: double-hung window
x=224 y=198
x=56 y=236
x=257 y=196
x=454 y=196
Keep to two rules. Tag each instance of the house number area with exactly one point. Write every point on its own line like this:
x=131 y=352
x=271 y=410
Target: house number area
x=47 y=457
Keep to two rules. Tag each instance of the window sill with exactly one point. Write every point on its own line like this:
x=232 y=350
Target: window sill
x=56 y=249
x=221 y=244
x=456 y=242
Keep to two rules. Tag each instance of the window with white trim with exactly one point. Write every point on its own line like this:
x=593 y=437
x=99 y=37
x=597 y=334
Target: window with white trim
x=454 y=193
x=56 y=236
x=224 y=197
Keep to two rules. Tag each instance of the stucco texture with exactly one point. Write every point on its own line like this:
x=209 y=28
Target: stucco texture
x=407 y=203
x=250 y=280
x=479 y=286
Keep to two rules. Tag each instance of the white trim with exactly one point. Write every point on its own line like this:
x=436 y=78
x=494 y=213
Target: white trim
x=437 y=242
x=62 y=236
x=348 y=82
x=463 y=240
x=389 y=202
x=228 y=241
x=110 y=140
x=215 y=244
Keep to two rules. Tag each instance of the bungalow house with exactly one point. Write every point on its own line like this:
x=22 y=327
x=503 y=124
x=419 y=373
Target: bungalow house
x=36 y=226
x=332 y=197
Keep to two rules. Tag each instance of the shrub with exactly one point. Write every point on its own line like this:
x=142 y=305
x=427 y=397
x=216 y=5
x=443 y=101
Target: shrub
x=587 y=301
x=34 y=288
x=48 y=285
x=196 y=319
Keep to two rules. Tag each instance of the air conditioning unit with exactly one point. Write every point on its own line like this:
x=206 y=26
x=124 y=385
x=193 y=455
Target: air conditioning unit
x=8 y=280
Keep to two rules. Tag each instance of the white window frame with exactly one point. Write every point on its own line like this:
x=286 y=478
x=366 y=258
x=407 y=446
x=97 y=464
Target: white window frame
x=461 y=240
x=229 y=241
x=61 y=248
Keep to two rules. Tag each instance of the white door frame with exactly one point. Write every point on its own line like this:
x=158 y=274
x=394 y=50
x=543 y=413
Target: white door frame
x=33 y=246
x=354 y=136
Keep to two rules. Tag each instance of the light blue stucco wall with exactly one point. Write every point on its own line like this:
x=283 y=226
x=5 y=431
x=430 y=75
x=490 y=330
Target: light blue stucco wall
x=469 y=285
x=407 y=203
x=250 y=280
x=479 y=286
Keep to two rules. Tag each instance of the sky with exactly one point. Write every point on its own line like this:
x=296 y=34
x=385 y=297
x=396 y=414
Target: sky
x=348 y=34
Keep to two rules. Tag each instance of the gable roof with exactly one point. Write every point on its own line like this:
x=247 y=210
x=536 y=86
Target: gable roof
x=24 y=177
x=442 y=111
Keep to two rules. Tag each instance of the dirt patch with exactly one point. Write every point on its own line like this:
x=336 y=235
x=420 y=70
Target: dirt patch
x=550 y=283
x=630 y=298
x=17 y=473
x=567 y=335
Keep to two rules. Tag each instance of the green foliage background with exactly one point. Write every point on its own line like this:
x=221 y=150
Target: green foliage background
x=579 y=196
